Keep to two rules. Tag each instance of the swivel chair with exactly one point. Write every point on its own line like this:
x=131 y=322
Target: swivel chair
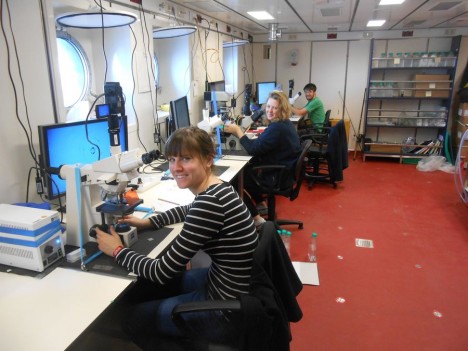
x=318 y=129
x=328 y=155
x=290 y=191
x=263 y=315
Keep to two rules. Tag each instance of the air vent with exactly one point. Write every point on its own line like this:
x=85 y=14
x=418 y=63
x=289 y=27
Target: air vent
x=369 y=244
x=17 y=252
x=444 y=6
x=414 y=23
x=208 y=6
x=331 y=12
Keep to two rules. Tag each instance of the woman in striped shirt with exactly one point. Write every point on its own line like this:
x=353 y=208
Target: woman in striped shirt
x=217 y=222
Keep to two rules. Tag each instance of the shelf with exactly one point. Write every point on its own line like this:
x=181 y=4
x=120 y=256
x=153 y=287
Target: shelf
x=443 y=62
x=400 y=126
x=413 y=68
x=409 y=97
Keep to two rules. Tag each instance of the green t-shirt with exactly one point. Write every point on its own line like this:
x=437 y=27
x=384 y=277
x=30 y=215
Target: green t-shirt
x=315 y=112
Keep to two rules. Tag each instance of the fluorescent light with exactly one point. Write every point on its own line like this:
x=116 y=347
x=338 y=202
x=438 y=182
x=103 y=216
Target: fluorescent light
x=235 y=42
x=173 y=32
x=96 y=19
x=260 y=15
x=375 y=23
x=391 y=2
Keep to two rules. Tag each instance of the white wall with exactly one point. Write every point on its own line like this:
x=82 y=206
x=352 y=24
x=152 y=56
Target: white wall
x=15 y=153
x=336 y=67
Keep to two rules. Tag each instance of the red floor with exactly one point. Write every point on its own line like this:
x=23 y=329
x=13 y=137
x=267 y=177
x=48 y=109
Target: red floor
x=410 y=292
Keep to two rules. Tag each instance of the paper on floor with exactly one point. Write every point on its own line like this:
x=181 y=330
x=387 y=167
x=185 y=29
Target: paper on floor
x=307 y=272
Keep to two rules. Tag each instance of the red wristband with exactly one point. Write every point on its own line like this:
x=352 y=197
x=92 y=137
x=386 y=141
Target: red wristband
x=117 y=250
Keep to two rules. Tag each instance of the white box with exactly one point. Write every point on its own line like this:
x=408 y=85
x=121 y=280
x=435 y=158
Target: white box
x=30 y=238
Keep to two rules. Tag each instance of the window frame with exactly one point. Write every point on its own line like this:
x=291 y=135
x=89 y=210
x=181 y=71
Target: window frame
x=86 y=89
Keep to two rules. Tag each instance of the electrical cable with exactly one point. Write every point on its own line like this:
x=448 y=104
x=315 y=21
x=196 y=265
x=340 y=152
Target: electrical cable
x=137 y=121
x=29 y=134
x=219 y=61
x=101 y=9
x=154 y=102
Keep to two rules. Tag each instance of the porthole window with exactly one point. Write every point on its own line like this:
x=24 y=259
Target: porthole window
x=156 y=70
x=74 y=69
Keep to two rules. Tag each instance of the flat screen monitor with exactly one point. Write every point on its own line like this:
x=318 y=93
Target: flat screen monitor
x=180 y=112
x=218 y=86
x=263 y=90
x=67 y=143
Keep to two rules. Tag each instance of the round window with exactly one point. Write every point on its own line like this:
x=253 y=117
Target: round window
x=74 y=69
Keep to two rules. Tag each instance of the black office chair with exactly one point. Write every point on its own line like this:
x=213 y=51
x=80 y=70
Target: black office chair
x=290 y=191
x=328 y=155
x=317 y=130
x=263 y=315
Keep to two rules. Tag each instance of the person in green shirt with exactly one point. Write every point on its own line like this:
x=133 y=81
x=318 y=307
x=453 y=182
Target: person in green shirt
x=313 y=110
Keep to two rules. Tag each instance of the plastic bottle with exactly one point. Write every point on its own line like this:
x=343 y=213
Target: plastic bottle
x=312 y=249
x=286 y=236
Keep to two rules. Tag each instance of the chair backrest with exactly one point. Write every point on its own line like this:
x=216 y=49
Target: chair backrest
x=299 y=171
x=326 y=122
x=337 y=151
x=272 y=256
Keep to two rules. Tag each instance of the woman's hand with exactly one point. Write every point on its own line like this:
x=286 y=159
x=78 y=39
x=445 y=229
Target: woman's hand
x=133 y=221
x=108 y=242
x=233 y=129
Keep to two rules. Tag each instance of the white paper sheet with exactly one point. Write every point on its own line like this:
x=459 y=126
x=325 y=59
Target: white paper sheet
x=307 y=272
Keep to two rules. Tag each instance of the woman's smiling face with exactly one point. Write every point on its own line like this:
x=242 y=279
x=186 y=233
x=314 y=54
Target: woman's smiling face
x=190 y=172
x=272 y=109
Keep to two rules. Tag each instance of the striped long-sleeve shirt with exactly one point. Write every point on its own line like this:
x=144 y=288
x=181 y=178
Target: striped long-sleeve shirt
x=217 y=222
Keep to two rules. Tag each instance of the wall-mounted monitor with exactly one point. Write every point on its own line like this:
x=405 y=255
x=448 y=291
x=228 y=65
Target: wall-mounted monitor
x=77 y=142
x=180 y=112
x=263 y=90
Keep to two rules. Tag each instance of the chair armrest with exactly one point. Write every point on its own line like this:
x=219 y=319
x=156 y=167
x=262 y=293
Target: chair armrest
x=210 y=305
x=266 y=188
x=317 y=138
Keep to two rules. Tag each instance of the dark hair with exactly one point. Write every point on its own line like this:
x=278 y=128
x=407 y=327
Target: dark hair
x=310 y=86
x=190 y=141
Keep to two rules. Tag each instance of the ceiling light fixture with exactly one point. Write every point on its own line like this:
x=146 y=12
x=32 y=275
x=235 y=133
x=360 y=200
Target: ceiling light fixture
x=274 y=33
x=391 y=2
x=260 y=15
x=375 y=23
x=173 y=32
x=235 y=42
x=93 y=19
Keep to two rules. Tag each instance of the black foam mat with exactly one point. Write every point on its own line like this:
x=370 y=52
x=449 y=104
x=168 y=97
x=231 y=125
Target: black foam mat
x=147 y=241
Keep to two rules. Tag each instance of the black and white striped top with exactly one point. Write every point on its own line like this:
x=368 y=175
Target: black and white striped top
x=217 y=222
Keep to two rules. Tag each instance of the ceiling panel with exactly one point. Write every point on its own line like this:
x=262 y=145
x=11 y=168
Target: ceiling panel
x=307 y=16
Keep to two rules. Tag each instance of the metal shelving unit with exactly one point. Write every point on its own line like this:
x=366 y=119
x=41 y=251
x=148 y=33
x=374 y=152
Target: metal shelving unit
x=408 y=103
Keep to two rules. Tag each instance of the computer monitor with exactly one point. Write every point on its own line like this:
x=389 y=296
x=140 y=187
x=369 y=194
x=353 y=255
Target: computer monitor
x=180 y=112
x=263 y=90
x=77 y=142
x=218 y=86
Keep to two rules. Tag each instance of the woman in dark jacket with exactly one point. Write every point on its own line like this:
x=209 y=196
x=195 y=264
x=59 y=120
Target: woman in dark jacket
x=279 y=144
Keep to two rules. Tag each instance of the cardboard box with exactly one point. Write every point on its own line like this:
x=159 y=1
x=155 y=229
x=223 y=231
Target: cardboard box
x=429 y=83
x=463 y=112
x=463 y=149
x=391 y=149
x=463 y=119
x=461 y=128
